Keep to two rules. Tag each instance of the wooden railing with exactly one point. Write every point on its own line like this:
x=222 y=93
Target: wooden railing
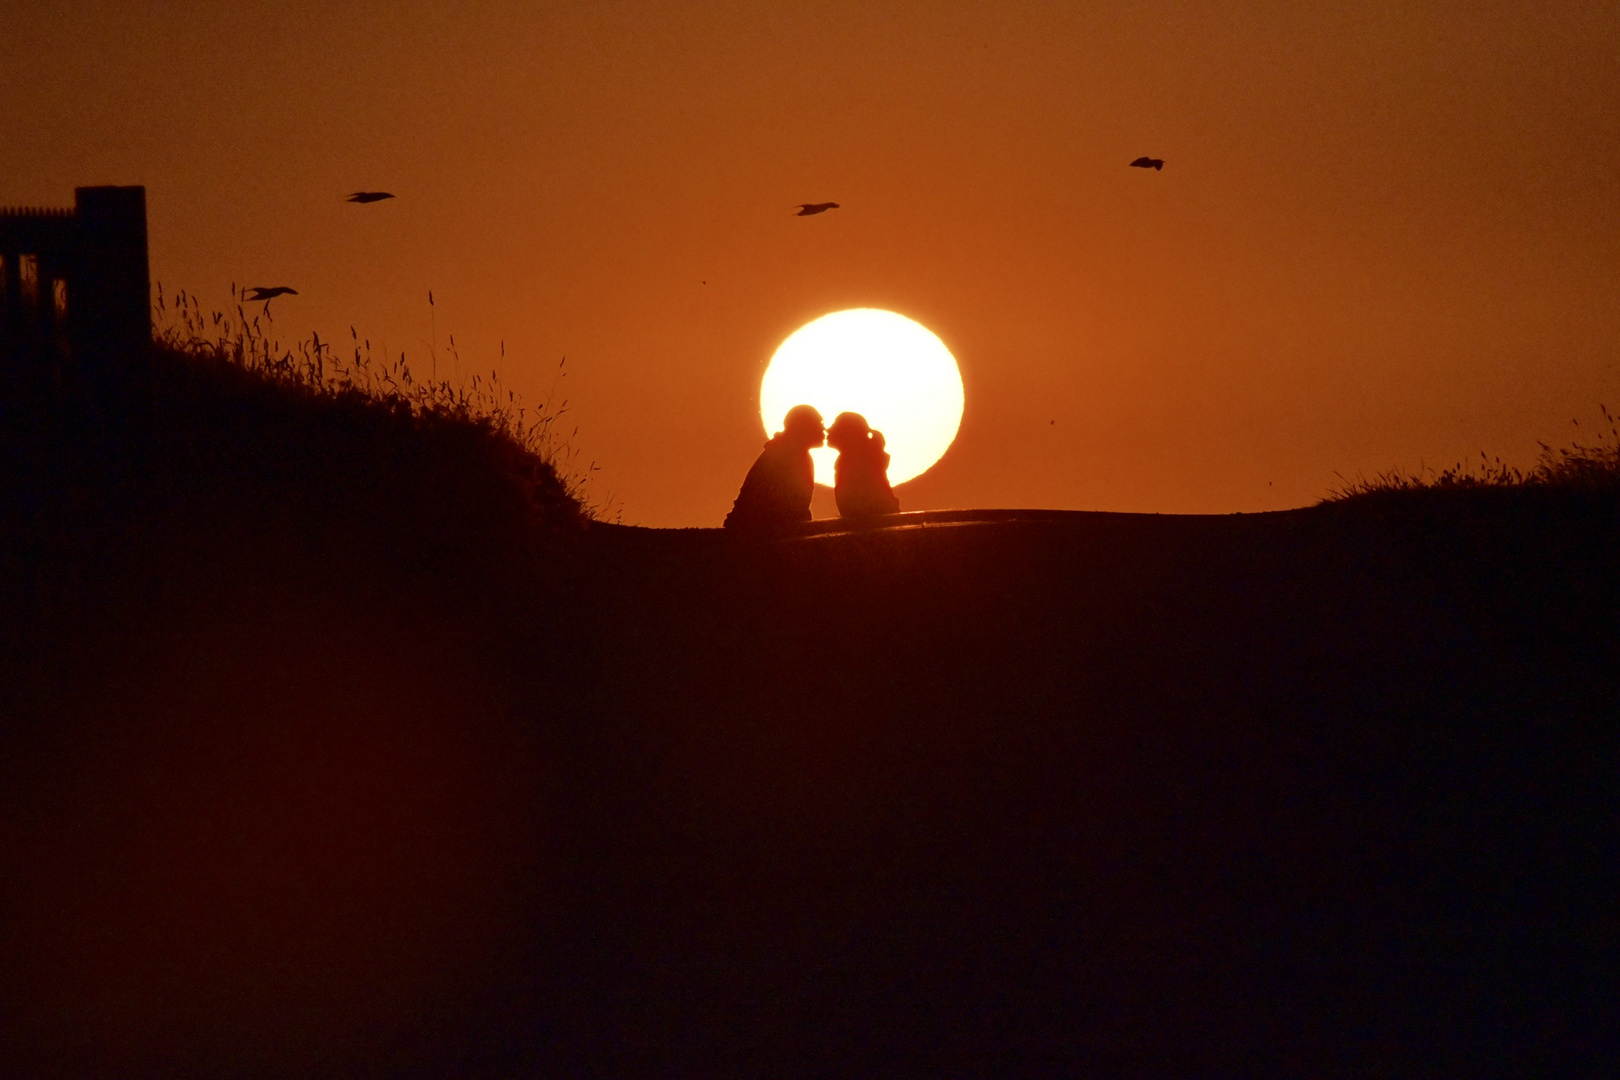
x=74 y=284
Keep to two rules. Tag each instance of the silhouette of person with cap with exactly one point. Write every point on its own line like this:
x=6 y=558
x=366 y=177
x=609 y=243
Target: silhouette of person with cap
x=862 y=471
x=775 y=496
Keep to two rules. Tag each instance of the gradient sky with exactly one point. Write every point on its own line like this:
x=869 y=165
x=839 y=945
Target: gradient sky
x=1387 y=234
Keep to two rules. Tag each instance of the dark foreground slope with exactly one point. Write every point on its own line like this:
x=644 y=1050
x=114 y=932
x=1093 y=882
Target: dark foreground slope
x=272 y=666
x=307 y=770
x=1327 y=791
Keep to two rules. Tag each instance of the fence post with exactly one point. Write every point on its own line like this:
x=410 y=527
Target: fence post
x=109 y=288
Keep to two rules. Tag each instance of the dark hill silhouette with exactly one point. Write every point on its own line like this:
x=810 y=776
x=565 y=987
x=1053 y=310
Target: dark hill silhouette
x=337 y=740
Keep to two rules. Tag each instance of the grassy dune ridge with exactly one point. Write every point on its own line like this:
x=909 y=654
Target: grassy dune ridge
x=260 y=618
x=1591 y=462
x=339 y=738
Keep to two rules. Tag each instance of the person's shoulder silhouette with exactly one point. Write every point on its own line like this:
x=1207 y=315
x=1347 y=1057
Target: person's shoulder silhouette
x=861 y=483
x=775 y=496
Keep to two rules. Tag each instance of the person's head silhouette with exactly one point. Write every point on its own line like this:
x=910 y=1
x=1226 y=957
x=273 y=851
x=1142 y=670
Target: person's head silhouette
x=802 y=426
x=848 y=430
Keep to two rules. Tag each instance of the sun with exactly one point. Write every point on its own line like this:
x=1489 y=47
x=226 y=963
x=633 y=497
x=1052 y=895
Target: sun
x=892 y=370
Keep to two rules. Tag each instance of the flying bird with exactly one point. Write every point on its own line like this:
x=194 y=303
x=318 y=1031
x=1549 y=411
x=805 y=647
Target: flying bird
x=369 y=196
x=808 y=208
x=1148 y=163
x=260 y=292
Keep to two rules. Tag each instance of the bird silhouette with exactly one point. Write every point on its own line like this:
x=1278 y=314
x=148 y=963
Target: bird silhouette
x=1148 y=163
x=809 y=208
x=369 y=196
x=260 y=292
x=268 y=294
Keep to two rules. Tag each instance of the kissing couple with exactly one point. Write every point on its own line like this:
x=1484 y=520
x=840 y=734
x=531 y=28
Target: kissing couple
x=775 y=496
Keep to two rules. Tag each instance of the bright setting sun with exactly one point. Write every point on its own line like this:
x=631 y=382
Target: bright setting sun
x=890 y=369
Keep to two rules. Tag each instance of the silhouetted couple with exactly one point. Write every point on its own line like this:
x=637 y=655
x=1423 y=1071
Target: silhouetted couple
x=775 y=497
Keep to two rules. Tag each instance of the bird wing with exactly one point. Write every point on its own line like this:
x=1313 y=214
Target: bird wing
x=1142 y=163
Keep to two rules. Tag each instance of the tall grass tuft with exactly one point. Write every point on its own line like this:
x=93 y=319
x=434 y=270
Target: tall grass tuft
x=1582 y=465
x=355 y=375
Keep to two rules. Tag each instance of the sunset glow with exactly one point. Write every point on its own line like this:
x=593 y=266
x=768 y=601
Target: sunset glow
x=1383 y=235
x=890 y=369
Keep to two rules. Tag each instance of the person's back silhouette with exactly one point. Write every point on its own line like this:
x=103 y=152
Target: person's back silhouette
x=861 y=476
x=775 y=496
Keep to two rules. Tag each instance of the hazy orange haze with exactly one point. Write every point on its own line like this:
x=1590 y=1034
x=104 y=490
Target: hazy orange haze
x=1386 y=234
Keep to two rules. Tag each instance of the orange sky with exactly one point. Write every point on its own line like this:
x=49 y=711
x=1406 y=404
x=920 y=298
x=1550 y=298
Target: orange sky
x=1385 y=235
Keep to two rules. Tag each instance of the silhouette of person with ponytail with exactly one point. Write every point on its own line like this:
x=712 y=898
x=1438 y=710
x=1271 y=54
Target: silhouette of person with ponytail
x=775 y=496
x=862 y=472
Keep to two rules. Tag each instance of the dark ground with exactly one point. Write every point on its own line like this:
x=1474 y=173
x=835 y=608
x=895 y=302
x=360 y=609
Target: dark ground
x=306 y=771
x=1330 y=791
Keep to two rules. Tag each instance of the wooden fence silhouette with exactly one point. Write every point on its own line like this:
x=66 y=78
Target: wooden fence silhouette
x=75 y=292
